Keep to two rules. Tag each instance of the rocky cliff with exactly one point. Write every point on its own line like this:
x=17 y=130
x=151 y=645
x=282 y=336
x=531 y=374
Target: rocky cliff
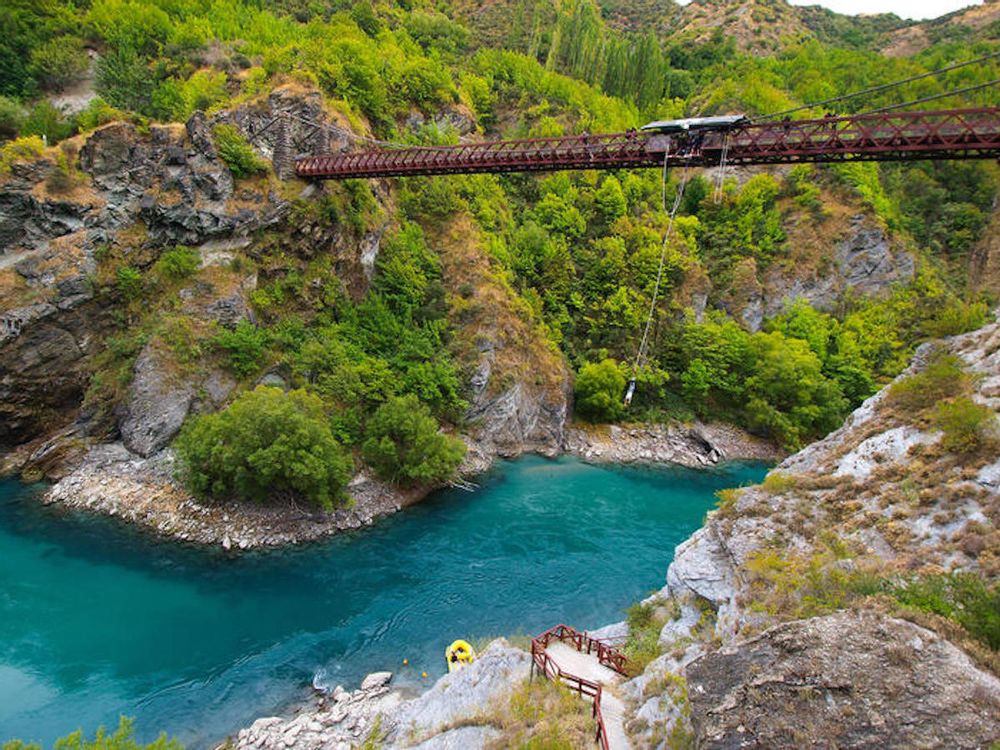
x=90 y=398
x=778 y=633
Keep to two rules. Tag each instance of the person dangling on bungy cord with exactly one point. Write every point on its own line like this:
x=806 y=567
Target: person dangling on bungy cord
x=630 y=392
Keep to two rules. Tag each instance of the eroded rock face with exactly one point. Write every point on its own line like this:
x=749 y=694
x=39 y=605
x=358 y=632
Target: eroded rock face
x=847 y=680
x=158 y=402
x=171 y=180
x=44 y=351
x=866 y=262
x=521 y=419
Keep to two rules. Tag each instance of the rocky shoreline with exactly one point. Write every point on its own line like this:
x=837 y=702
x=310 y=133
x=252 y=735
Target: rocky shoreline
x=113 y=481
x=450 y=715
x=143 y=491
x=695 y=446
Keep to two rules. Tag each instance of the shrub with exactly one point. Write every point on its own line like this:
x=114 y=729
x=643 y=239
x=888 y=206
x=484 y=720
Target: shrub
x=967 y=426
x=245 y=345
x=266 y=443
x=778 y=482
x=963 y=597
x=129 y=283
x=943 y=378
x=45 y=120
x=61 y=178
x=600 y=388
x=60 y=62
x=11 y=118
x=643 y=642
x=177 y=264
x=542 y=715
x=238 y=155
x=98 y=112
x=123 y=738
x=404 y=444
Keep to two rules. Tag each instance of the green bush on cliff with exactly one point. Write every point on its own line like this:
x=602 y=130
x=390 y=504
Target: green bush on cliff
x=405 y=446
x=600 y=388
x=123 y=738
x=178 y=263
x=238 y=155
x=245 y=346
x=965 y=598
x=967 y=426
x=266 y=444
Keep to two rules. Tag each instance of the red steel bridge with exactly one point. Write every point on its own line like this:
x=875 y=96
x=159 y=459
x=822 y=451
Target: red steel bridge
x=886 y=136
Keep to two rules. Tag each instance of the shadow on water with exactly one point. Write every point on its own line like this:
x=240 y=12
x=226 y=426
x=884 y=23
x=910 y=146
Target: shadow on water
x=97 y=619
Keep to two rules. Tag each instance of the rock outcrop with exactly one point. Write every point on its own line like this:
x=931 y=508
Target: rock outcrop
x=866 y=262
x=882 y=497
x=157 y=404
x=451 y=714
x=850 y=679
x=695 y=445
x=136 y=191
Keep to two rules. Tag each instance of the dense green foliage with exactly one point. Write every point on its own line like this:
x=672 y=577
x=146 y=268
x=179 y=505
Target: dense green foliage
x=580 y=250
x=963 y=597
x=266 y=442
x=404 y=444
x=123 y=738
x=177 y=264
x=599 y=389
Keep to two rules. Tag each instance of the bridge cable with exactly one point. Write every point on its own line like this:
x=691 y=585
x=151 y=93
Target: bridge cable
x=932 y=97
x=879 y=87
x=723 y=163
x=678 y=196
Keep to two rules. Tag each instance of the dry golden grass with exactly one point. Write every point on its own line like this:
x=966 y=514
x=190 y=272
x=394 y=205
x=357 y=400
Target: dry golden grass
x=491 y=310
x=542 y=715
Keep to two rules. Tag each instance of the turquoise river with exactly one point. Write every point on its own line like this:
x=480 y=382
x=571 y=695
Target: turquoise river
x=98 y=620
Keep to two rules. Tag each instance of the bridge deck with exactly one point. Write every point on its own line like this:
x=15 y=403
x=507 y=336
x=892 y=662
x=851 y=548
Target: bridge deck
x=972 y=133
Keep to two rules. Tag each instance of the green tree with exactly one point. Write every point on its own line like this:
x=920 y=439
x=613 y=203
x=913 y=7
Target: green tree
x=610 y=201
x=59 y=62
x=789 y=396
x=266 y=444
x=124 y=79
x=600 y=390
x=405 y=446
x=123 y=738
x=12 y=116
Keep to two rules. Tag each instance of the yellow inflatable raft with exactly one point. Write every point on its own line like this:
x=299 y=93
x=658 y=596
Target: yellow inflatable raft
x=458 y=654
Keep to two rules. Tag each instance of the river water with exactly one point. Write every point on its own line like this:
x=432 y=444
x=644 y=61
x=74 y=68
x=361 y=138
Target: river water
x=98 y=620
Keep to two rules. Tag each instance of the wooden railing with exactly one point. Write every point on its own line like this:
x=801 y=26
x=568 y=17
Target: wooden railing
x=606 y=653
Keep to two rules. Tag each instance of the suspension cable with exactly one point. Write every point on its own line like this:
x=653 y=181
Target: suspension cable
x=880 y=87
x=932 y=97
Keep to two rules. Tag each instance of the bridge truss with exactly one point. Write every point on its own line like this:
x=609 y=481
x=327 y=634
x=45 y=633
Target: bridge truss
x=972 y=133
